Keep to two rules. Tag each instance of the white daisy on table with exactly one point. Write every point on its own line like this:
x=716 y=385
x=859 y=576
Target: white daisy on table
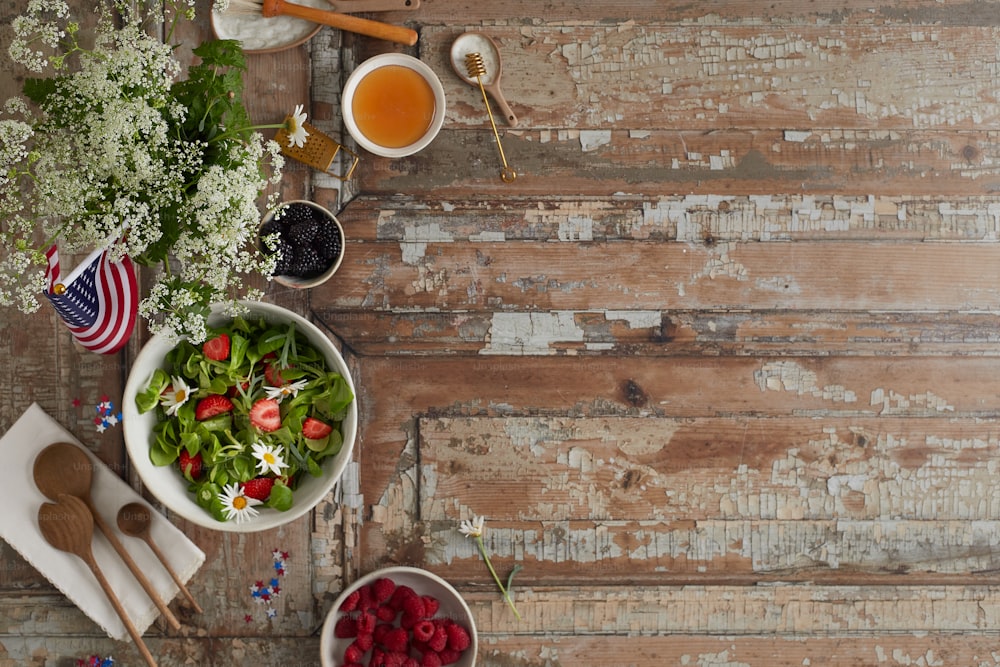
x=176 y=394
x=473 y=528
x=269 y=458
x=236 y=504
x=285 y=390
x=294 y=125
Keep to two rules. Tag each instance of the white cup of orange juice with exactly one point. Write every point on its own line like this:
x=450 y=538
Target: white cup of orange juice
x=393 y=105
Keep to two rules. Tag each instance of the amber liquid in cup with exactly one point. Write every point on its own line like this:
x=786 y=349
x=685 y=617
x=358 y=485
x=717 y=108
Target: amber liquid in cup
x=393 y=106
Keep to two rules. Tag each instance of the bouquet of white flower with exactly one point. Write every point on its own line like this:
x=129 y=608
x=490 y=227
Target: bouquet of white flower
x=114 y=149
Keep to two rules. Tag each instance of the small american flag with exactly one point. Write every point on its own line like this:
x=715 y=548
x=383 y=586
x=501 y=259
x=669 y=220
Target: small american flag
x=98 y=302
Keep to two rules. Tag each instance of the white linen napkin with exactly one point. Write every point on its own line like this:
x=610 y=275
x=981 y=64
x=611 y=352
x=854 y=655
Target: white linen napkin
x=31 y=433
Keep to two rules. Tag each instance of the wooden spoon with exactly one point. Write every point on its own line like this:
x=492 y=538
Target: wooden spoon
x=135 y=520
x=65 y=468
x=69 y=526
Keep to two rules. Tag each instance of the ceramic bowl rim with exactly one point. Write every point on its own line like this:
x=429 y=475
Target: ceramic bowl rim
x=381 y=60
x=326 y=632
x=167 y=485
x=307 y=283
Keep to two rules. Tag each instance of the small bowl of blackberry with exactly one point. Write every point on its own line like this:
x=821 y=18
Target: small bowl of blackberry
x=310 y=243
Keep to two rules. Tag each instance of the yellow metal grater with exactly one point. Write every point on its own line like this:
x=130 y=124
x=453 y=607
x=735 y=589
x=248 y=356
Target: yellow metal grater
x=319 y=151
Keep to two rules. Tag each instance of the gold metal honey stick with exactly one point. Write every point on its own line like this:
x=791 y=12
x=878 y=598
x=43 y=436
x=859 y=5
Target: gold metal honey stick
x=477 y=69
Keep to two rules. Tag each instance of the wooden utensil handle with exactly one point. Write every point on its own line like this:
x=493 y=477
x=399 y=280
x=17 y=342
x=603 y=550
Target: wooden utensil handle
x=505 y=109
x=355 y=24
x=173 y=575
x=134 y=569
x=120 y=610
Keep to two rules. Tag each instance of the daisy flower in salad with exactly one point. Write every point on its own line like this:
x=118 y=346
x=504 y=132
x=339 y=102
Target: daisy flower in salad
x=285 y=390
x=236 y=504
x=269 y=458
x=176 y=395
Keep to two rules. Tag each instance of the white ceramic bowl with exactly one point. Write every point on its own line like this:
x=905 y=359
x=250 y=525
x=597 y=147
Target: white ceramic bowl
x=365 y=68
x=306 y=283
x=167 y=484
x=423 y=583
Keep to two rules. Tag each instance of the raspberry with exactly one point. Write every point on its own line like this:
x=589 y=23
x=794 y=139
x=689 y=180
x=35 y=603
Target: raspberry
x=439 y=640
x=401 y=593
x=431 y=605
x=345 y=628
x=378 y=658
x=350 y=603
x=396 y=639
x=423 y=631
x=366 y=623
x=386 y=613
x=430 y=659
x=414 y=606
x=380 y=632
x=449 y=656
x=366 y=602
x=458 y=637
x=353 y=653
x=365 y=642
x=411 y=662
x=395 y=659
x=383 y=589
x=408 y=621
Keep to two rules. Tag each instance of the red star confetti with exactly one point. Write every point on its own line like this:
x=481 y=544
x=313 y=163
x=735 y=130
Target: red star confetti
x=263 y=593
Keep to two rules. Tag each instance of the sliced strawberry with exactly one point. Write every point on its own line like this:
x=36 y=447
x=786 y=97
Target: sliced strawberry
x=258 y=487
x=217 y=348
x=266 y=415
x=211 y=406
x=272 y=373
x=190 y=465
x=314 y=429
x=234 y=391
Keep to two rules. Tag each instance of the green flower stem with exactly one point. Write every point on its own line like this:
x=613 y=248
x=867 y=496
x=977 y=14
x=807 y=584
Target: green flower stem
x=506 y=596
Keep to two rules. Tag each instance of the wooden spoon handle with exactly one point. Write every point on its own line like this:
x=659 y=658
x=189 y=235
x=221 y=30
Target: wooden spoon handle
x=134 y=568
x=173 y=575
x=362 y=26
x=116 y=603
x=498 y=97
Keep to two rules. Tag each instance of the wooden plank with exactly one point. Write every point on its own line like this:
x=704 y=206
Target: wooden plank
x=713 y=12
x=651 y=276
x=673 y=333
x=708 y=219
x=648 y=75
x=464 y=163
x=723 y=651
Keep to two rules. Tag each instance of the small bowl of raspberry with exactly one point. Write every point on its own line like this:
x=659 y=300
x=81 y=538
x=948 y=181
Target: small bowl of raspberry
x=307 y=239
x=399 y=616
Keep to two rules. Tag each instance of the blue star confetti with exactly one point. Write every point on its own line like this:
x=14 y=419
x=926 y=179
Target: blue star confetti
x=264 y=593
x=95 y=661
x=106 y=415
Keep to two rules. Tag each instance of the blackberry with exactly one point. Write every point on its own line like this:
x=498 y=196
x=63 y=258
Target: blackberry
x=303 y=232
x=307 y=263
x=286 y=258
x=293 y=213
x=327 y=242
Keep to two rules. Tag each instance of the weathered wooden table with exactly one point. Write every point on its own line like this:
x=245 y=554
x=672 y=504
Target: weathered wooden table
x=720 y=368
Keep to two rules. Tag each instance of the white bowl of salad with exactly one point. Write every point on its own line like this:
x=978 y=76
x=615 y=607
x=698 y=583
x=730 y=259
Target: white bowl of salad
x=247 y=431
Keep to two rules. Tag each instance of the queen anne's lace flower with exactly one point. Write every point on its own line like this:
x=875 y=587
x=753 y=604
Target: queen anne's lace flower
x=109 y=149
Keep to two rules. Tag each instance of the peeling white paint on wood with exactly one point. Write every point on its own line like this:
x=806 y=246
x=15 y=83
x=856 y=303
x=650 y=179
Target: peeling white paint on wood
x=531 y=333
x=793 y=377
